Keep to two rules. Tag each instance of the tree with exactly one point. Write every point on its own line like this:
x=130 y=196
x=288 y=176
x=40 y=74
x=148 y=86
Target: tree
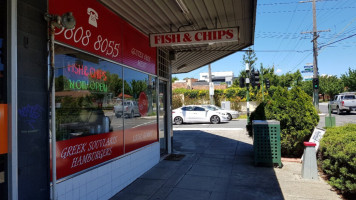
x=330 y=85
x=307 y=87
x=174 y=79
x=349 y=80
x=250 y=58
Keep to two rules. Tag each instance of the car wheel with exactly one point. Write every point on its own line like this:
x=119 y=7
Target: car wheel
x=117 y=115
x=132 y=115
x=178 y=120
x=338 y=111
x=229 y=117
x=215 y=119
x=348 y=111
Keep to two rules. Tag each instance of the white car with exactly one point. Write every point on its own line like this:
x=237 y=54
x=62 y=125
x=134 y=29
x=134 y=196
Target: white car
x=231 y=114
x=193 y=113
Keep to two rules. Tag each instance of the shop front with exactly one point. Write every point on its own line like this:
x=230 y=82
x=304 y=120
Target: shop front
x=106 y=102
x=84 y=119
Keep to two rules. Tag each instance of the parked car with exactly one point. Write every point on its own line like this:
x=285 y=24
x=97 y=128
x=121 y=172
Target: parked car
x=230 y=113
x=128 y=108
x=343 y=102
x=194 y=113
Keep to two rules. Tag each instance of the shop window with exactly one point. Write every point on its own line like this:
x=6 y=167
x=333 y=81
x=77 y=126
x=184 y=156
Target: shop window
x=139 y=109
x=87 y=91
x=103 y=110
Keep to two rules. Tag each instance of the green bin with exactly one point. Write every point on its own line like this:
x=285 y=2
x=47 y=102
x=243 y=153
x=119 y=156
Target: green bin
x=267 y=142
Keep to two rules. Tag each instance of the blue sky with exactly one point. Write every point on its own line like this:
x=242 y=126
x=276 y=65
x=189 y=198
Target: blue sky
x=279 y=42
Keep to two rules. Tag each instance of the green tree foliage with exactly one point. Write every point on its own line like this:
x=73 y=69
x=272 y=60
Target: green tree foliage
x=290 y=79
x=297 y=116
x=174 y=79
x=349 y=80
x=250 y=58
x=307 y=87
x=330 y=85
x=338 y=158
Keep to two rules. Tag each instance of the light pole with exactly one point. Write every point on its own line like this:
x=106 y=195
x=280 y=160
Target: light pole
x=247 y=91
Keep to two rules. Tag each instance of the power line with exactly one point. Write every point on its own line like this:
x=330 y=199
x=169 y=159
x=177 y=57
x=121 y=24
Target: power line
x=337 y=41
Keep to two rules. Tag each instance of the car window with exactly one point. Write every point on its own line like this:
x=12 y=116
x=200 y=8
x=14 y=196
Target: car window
x=335 y=98
x=188 y=108
x=211 y=108
x=199 y=109
x=349 y=97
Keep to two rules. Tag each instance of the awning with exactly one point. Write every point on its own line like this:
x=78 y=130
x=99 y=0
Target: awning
x=163 y=16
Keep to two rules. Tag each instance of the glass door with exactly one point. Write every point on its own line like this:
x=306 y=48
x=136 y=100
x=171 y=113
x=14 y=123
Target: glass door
x=163 y=116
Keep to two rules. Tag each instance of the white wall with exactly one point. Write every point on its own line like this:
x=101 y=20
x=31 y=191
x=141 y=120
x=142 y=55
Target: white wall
x=105 y=181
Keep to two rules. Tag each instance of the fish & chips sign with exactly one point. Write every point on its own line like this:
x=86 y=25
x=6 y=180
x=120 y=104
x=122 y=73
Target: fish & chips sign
x=194 y=37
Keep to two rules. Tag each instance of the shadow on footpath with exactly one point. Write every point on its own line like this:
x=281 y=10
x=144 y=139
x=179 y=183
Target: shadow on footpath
x=214 y=167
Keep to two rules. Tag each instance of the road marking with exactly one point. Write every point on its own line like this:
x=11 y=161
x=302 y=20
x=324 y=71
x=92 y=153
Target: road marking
x=209 y=129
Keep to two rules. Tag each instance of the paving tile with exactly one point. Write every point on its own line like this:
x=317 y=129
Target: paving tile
x=188 y=194
x=223 y=171
x=144 y=186
x=203 y=183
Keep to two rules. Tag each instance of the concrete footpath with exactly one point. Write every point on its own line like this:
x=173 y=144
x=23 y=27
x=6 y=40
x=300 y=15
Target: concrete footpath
x=218 y=165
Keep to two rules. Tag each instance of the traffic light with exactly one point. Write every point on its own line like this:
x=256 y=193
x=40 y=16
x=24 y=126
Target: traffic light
x=255 y=78
x=315 y=83
x=252 y=78
x=242 y=82
x=267 y=84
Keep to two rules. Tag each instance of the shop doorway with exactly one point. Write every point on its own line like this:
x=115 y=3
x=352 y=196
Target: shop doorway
x=162 y=114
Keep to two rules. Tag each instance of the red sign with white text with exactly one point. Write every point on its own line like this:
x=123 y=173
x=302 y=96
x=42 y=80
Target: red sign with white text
x=140 y=136
x=99 y=31
x=136 y=51
x=194 y=37
x=77 y=154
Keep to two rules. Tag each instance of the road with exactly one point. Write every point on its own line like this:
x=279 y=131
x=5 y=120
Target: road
x=340 y=119
x=239 y=124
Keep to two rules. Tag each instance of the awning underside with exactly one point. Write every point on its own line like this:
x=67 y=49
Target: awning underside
x=162 y=16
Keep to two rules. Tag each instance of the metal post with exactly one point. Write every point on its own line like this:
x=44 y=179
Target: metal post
x=261 y=79
x=53 y=116
x=315 y=55
x=247 y=91
x=12 y=100
x=210 y=96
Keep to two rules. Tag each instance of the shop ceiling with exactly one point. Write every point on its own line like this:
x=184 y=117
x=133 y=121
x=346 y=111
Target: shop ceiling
x=163 y=16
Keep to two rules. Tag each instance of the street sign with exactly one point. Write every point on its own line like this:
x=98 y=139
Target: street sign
x=308 y=67
x=305 y=71
x=308 y=79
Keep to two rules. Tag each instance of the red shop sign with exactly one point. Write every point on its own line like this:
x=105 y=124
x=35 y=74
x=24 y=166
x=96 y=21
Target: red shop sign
x=77 y=154
x=140 y=136
x=137 y=52
x=99 y=31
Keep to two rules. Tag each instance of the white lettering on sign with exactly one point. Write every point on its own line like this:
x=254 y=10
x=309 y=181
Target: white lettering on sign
x=142 y=136
x=85 y=153
x=101 y=45
x=194 y=37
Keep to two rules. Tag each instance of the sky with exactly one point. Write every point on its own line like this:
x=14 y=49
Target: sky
x=279 y=41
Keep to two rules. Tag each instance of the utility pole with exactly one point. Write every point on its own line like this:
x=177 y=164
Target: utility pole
x=315 y=57
x=315 y=60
